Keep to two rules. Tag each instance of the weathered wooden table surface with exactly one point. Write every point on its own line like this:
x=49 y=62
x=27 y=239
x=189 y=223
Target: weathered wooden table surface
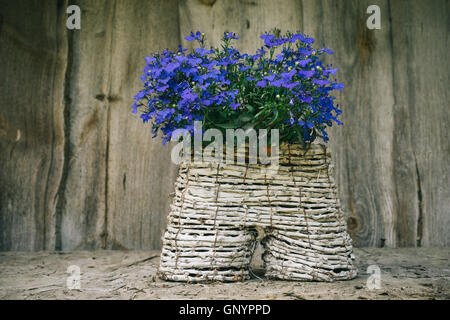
x=422 y=273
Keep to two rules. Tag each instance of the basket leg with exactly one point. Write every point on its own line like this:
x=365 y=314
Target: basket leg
x=210 y=253
x=290 y=258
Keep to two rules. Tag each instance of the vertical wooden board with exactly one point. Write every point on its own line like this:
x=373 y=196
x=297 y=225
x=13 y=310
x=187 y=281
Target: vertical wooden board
x=32 y=64
x=405 y=169
x=249 y=19
x=362 y=147
x=421 y=44
x=140 y=172
x=83 y=210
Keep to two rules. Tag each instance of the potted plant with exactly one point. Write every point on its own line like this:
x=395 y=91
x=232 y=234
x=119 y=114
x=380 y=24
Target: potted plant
x=283 y=91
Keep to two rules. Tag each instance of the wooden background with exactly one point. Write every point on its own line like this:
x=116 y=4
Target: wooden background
x=80 y=171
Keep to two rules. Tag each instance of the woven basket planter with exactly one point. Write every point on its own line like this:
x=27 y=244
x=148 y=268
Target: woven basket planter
x=217 y=209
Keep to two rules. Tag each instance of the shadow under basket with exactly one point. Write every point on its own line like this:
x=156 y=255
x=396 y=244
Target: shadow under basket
x=217 y=208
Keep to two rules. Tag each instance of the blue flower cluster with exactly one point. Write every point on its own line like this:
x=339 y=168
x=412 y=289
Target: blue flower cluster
x=283 y=85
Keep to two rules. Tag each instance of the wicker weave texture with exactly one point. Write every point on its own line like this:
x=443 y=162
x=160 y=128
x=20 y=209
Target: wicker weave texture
x=218 y=208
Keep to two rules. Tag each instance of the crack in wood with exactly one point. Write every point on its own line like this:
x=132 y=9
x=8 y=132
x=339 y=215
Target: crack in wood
x=419 y=205
x=60 y=194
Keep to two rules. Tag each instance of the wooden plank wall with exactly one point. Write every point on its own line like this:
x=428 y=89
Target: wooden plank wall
x=84 y=173
x=79 y=171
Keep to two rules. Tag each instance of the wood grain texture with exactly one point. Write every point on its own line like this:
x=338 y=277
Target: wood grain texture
x=248 y=18
x=79 y=171
x=140 y=171
x=32 y=65
x=83 y=204
x=118 y=177
x=421 y=77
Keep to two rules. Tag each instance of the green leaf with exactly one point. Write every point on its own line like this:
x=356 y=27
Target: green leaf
x=228 y=125
x=299 y=133
x=260 y=113
x=313 y=135
x=249 y=108
x=274 y=118
x=245 y=117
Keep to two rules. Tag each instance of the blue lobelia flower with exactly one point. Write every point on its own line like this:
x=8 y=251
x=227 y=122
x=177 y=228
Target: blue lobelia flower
x=278 y=83
x=306 y=74
x=230 y=35
x=196 y=36
x=261 y=83
x=321 y=82
x=306 y=124
x=326 y=50
x=270 y=77
x=180 y=87
x=234 y=106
